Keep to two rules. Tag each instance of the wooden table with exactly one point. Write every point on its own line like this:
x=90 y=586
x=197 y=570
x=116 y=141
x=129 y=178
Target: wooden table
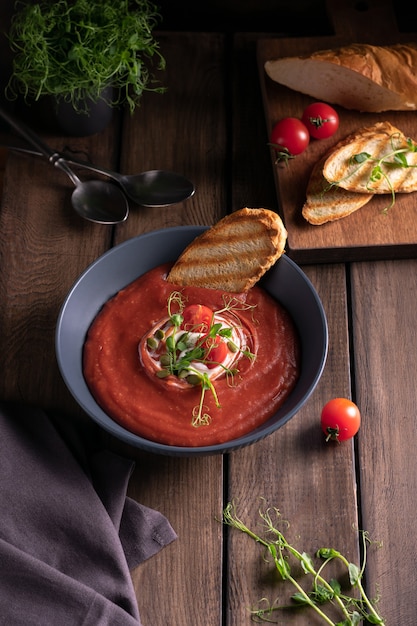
x=210 y=126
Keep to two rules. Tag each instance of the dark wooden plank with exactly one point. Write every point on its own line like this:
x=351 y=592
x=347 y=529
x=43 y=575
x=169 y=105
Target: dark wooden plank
x=367 y=233
x=44 y=246
x=182 y=130
x=384 y=328
x=183 y=583
x=3 y=158
x=252 y=176
x=310 y=482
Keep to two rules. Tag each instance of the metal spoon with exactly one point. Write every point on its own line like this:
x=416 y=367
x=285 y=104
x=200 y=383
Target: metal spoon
x=155 y=188
x=95 y=200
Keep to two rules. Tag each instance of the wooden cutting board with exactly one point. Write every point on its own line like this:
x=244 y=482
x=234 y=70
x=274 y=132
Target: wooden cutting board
x=369 y=233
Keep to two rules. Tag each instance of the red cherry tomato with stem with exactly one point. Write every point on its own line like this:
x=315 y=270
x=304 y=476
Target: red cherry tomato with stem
x=340 y=419
x=289 y=137
x=215 y=351
x=321 y=120
x=197 y=318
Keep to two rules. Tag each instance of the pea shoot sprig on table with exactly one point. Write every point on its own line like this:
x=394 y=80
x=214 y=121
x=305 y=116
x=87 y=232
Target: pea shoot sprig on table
x=397 y=157
x=353 y=610
x=179 y=352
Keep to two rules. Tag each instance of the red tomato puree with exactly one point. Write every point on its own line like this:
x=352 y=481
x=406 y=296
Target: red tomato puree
x=149 y=406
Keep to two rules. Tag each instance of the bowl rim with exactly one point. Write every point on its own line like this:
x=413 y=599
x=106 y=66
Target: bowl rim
x=136 y=441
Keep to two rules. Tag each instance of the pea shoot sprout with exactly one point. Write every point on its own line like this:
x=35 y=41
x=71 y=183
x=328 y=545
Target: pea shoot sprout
x=397 y=157
x=353 y=610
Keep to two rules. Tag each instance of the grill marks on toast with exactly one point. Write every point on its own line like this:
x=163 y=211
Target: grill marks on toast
x=233 y=254
x=378 y=140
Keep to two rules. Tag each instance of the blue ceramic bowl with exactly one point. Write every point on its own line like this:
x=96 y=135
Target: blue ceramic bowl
x=118 y=267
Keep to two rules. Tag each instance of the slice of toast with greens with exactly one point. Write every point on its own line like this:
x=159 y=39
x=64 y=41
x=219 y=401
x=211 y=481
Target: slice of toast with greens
x=377 y=159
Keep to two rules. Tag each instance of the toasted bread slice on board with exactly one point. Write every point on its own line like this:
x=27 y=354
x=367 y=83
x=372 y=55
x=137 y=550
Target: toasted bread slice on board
x=234 y=253
x=326 y=202
x=378 y=142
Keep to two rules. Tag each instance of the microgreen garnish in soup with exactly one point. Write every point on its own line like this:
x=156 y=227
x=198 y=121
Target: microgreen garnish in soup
x=197 y=345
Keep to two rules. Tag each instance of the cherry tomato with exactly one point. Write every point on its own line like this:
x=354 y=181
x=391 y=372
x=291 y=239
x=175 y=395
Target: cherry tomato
x=197 y=318
x=216 y=351
x=321 y=120
x=340 y=419
x=291 y=135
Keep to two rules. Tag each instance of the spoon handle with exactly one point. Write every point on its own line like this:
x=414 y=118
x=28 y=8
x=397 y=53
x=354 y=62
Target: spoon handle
x=27 y=134
x=57 y=158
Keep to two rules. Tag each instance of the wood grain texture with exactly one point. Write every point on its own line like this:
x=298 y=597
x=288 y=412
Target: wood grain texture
x=184 y=585
x=192 y=141
x=367 y=234
x=384 y=327
x=312 y=484
x=44 y=246
x=251 y=178
x=210 y=125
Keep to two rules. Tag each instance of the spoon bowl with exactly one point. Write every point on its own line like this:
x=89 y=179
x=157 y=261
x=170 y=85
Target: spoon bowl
x=155 y=188
x=104 y=204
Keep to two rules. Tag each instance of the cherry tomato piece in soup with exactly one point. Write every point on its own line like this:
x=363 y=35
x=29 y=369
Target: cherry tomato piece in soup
x=291 y=135
x=340 y=419
x=321 y=120
x=215 y=351
x=197 y=318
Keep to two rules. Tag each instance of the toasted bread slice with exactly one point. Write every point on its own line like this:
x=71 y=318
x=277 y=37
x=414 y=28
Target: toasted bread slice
x=378 y=141
x=326 y=202
x=234 y=253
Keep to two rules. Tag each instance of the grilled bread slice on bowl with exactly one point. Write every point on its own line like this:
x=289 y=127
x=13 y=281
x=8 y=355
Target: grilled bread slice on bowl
x=234 y=253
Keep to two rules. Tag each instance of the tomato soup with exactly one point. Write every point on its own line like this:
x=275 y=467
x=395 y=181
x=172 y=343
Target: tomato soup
x=242 y=391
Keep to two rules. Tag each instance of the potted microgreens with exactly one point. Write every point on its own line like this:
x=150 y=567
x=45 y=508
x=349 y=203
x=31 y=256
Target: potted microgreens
x=84 y=52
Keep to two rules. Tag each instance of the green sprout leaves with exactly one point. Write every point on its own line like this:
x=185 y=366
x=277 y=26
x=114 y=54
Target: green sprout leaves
x=382 y=167
x=353 y=609
x=187 y=353
x=74 y=50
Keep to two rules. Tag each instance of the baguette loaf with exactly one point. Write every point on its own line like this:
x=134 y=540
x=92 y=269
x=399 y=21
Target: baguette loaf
x=233 y=254
x=377 y=141
x=327 y=203
x=360 y=77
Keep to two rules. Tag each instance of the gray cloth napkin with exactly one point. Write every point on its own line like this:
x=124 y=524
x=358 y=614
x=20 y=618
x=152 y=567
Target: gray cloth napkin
x=69 y=535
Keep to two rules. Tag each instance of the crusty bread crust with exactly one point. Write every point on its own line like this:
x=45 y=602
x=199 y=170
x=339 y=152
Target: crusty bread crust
x=327 y=203
x=233 y=254
x=360 y=77
x=378 y=140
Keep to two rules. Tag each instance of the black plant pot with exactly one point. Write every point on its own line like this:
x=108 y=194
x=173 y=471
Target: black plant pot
x=59 y=117
x=92 y=119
